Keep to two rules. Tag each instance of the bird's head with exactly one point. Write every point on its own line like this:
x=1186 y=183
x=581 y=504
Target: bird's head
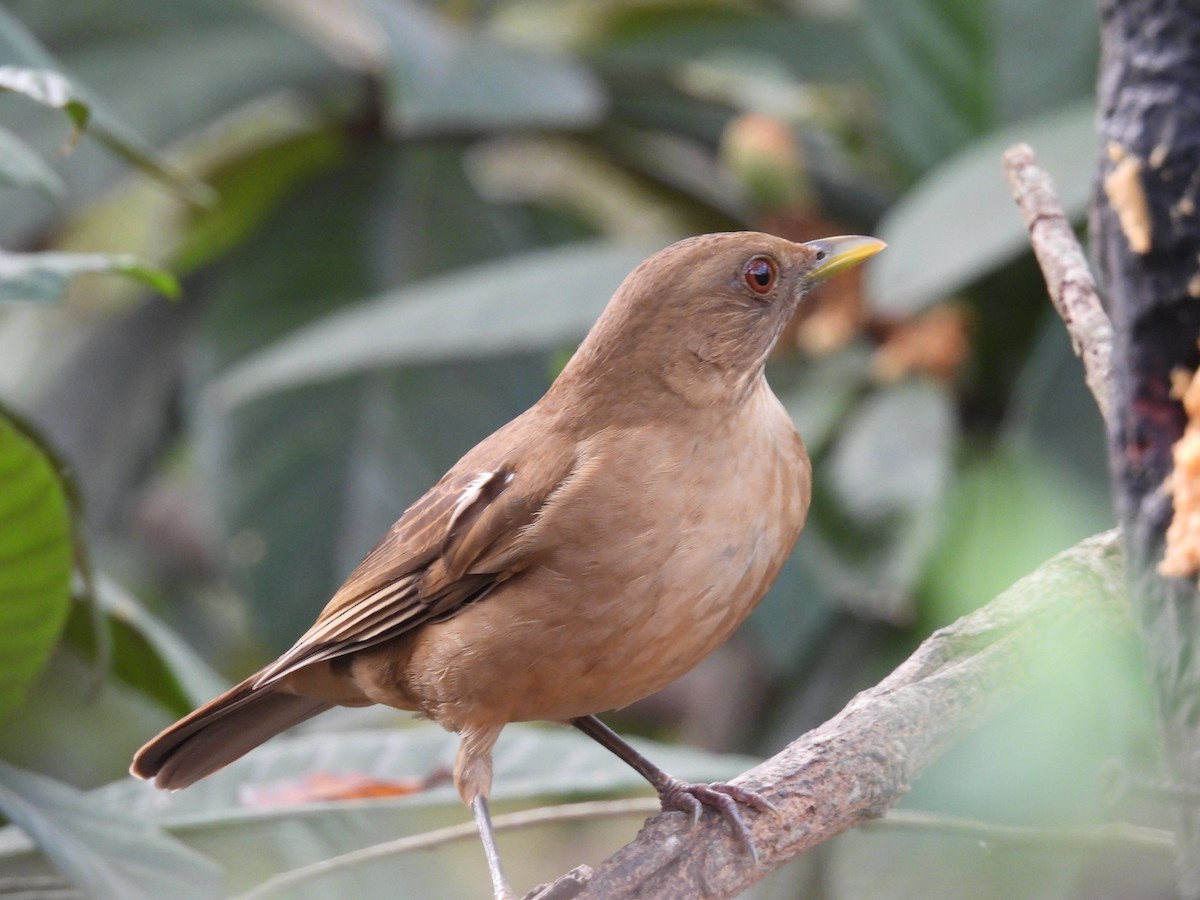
x=699 y=319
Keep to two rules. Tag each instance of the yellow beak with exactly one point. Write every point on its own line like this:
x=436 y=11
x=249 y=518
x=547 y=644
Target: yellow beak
x=840 y=253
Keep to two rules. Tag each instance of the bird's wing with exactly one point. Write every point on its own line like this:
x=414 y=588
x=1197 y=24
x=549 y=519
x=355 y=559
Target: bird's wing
x=473 y=530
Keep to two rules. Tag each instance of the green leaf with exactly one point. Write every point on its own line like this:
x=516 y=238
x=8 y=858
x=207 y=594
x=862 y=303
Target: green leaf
x=49 y=89
x=145 y=653
x=36 y=558
x=952 y=70
x=960 y=223
x=1052 y=412
x=442 y=78
x=43 y=277
x=1008 y=509
x=820 y=392
x=878 y=499
x=38 y=76
x=528 y=302
x=929 y=60
x=20 y=166
x=813 y=47
x=1043 y=56
x=320 y=250
x=250 y=187
x=894 y=452
x=793 y=621
x=105 y=852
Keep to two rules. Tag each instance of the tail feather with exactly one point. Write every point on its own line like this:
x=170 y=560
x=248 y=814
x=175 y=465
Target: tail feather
x=219 y=732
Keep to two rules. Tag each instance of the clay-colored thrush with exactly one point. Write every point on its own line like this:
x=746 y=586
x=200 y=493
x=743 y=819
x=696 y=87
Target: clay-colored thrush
x=583 y=556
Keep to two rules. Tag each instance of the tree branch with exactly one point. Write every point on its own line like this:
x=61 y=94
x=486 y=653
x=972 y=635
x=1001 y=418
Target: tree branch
x=1068 y=276
x=851 y=769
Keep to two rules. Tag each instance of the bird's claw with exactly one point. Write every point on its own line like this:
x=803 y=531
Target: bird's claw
x=691 y=798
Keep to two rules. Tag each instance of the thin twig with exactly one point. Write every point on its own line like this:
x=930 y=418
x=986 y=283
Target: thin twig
x=38 y=887
x=567 y=812
x=1072 y=837
x=1065 y=268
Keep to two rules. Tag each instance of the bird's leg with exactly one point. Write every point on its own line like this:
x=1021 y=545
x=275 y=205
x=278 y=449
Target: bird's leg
x=473 y=778
x=680 y=795
x=483 y=821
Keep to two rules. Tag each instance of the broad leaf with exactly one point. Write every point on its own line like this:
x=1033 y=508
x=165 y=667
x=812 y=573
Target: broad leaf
x=959 y=223
x=43 y=277
x=250 y=186
x=36 y=560
x=144 y=652
x=38 y=75
x=20 y=166
x=813 y=47
x=928 y=57
x=1053 y=411
x=440 y=77
x=952 y=70
x=794 y=618
x=48 y=88
x=105 y=851
x=878 y=499
x=1042 y=56
x=893 y=455
x=530 y=302
x=820 y=392
x=219 y=59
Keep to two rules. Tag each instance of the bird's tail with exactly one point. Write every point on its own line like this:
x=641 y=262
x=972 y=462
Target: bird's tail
x=219 y=732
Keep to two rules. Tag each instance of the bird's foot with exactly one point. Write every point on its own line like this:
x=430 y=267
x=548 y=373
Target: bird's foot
x=724 y=798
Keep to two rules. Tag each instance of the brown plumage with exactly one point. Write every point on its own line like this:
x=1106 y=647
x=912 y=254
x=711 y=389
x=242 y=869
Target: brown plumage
x=583 y=556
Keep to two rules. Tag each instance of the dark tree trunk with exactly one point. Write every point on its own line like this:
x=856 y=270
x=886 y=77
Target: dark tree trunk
x=1146 y=235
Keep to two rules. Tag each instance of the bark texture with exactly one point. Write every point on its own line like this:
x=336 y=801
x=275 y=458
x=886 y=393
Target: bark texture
x=1146 y=237
x=1068 y=277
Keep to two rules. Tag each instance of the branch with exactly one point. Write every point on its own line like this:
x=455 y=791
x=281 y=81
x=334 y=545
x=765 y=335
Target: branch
x=1068 y=277
x=851 y=769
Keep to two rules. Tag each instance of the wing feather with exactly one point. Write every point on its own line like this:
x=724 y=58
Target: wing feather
x=469 y=533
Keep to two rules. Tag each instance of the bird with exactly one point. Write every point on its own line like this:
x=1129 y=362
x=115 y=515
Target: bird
x=583 y=556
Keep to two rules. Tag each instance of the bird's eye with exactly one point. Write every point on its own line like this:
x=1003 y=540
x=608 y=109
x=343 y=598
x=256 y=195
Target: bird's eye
x=760 y=274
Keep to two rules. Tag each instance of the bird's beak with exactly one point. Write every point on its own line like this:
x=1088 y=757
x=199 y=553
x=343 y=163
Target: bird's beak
x=841 y=252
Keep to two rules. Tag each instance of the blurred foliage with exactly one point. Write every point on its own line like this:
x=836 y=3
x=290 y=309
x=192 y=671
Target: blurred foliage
x=36 y=546
x=392 y=219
